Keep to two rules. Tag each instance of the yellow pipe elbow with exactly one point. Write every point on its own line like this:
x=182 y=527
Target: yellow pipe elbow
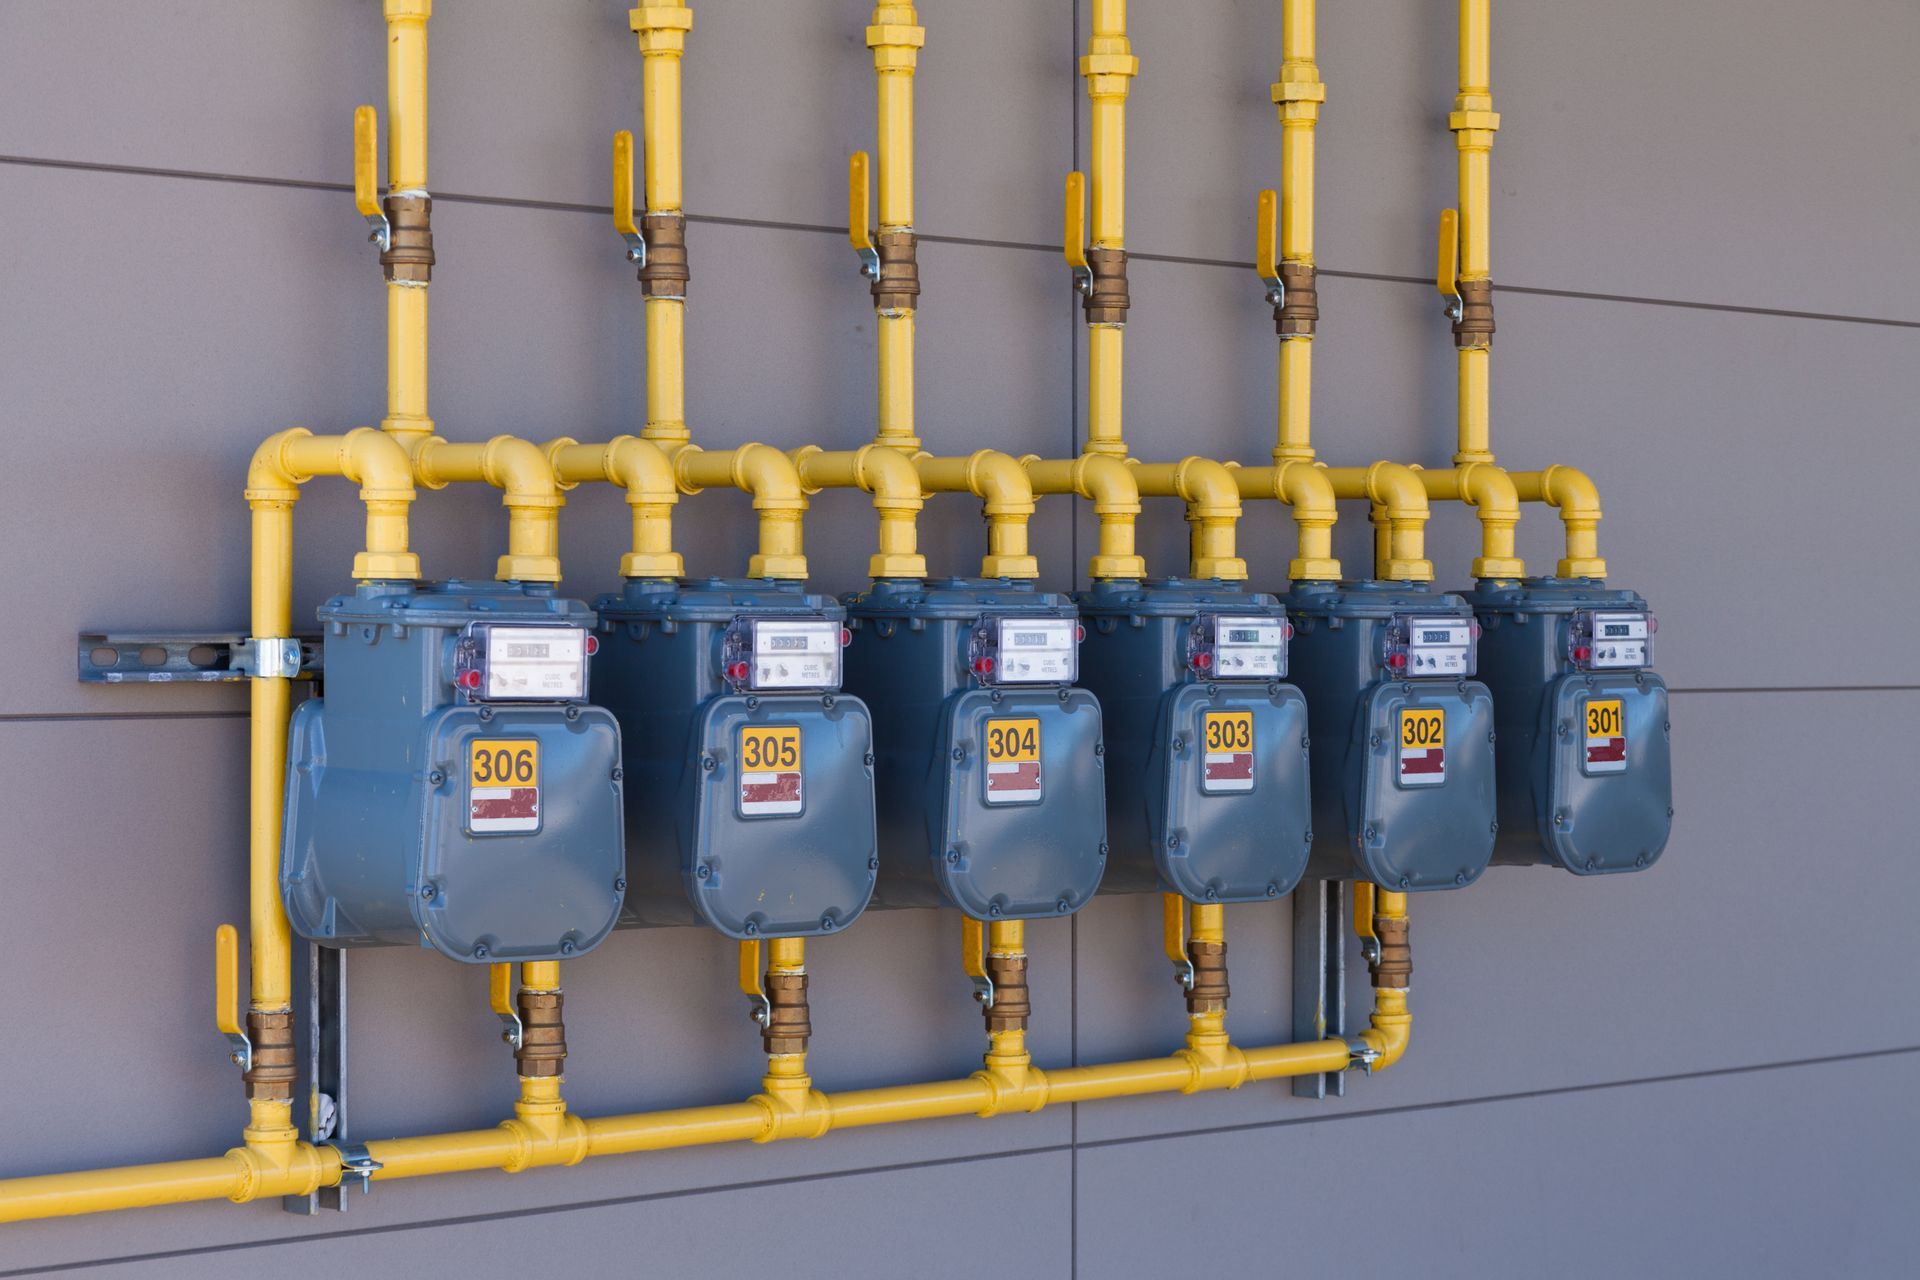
x=521 y=471
x=1108 y=483
x=770 y=476
x=892 y=481
x=376 y=462
x=1403 y=496
x=1307 y=491
x=1212 y=496
x=1578 y=501
x=645 y=471
x=1496 y=501
x=1006 y=500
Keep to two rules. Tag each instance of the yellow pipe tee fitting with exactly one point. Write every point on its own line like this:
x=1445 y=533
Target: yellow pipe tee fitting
x=1006 y=500
x=1401 y=494
x=890 y=477
x=1212 y=496
x=1107 y=483
x=520 y=470
x=1578 y=501
x=644 y=471
x=778 y=498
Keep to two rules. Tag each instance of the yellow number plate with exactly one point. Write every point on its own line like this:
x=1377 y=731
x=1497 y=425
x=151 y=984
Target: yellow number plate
x=1013 y=741
x=775 y=749
x=504 y=762
x=503 y=785
x=1604 y=719
x=1227 y=758
x=1423 y=746
x=770 y=781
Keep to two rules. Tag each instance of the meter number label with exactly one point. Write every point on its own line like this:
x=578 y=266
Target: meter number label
x=1013 y=761
x=1226 y=763
x=1606 y=736
x=1423 y=746
x=503 y=785
x=770 y=771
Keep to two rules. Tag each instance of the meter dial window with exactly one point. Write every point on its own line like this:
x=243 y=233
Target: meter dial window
x=547 y=664
x=1032 y=651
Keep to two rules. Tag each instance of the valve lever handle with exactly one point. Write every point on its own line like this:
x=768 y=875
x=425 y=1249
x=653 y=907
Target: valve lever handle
x=859 y=196
x=366 y=175
x=1173 y=936
x=1447 y=274
x=750 y=981
x=973 y=958
x=623 y=198
x=1266 y=232
x=1073 y=238
x=500 y=996
x=226 y=995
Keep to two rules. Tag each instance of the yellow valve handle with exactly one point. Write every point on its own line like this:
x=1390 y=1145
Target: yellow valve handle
x=226 y=981
x=1266 y=230
x=859 y=197
x=623 y=198
x=750 y=968
x=1362 y=909
x=366 y=161
x=500 y=988
x=1447 y=275
x=1073 y=236
x=973 y=947
x=1173 y=928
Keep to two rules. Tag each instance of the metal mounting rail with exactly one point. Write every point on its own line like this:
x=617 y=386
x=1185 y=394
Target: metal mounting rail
x=192 y=657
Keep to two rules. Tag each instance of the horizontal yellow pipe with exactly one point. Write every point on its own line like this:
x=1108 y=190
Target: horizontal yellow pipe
x=1006 y=499
x=643 y=469
x=1107 y=483
x=889 y=476
x=1213 y=510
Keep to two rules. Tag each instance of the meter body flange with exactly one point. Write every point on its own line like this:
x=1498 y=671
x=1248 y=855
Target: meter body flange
x=1021 y=837
x=1390 y=804
x=405 y=822
x=756 y=848
x=1180 y=815
x=1591 y=803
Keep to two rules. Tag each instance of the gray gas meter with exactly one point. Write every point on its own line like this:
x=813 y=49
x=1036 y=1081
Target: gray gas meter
x=1586 y=772
x=1206 y=741
x=454 y=788
x=991 y=784
x=749 y=774
x=1403 y=747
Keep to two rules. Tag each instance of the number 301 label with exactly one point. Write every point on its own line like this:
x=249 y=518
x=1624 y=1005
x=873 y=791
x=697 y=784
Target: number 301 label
x=503 y=785
x=1606 y=736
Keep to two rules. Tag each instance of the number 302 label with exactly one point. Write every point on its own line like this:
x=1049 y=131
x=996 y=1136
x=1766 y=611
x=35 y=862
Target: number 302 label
x=503 y=785
x=1423 y=746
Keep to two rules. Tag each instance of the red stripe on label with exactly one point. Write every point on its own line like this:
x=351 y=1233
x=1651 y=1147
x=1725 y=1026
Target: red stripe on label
x=785 y=786
x=1235 y=768
x=520 y=802
x=1431 y=761
x=1021 y=777
x=1614 y=751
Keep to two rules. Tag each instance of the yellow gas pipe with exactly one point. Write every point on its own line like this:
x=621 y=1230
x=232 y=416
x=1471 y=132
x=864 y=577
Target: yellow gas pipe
x=1464 y=276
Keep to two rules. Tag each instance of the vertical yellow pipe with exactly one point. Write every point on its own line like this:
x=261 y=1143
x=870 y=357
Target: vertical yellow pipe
x=407 y=93
x=662 y=33
x=896 y=38
x=1297 y=96
x=1474 y=122
x=1109 y=67
x=270 y=938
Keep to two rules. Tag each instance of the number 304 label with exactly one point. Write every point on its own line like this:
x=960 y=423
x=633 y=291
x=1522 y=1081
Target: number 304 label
x=503 y=785
x=1423 y=746
x=770 y=773
x=1013 y=761
x=1606 y=736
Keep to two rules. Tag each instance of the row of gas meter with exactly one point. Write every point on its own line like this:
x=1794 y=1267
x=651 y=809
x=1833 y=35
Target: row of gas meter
x=503 y=774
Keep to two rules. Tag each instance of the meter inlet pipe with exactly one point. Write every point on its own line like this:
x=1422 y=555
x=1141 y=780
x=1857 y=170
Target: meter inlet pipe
x=1464 y=277
x=789 y=1108
x=646 y=473
x=888 y=257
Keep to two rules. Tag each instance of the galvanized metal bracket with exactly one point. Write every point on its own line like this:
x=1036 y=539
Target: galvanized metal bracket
x=356 y=1164
x=324 y=1032
x=1320 y=980
x=196 y=657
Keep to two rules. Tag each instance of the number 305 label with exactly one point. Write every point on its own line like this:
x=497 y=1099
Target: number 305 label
x=503 y=785
x=1423 y=746
x=770 y=775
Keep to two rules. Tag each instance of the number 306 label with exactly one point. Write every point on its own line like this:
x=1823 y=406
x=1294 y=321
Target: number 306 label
x=1013 y=761
x=1423 y=746
x=503 y=785
x=770 y=771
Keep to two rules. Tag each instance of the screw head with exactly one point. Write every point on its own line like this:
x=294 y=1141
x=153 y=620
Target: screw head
x=1273 y=890
x=619 y=884
x=1405 y=881
x=867 y=759
x=959 y=753
x=567 y=947
x=1460 y=877
x=873 y=864
x=708 y=764
x=482 y=951
x=953 y=857
x=751 y=929
x=826 y=924
x=428 y=892
x=437 y=777
x=1063 y=906
x=702 y=871
x=993 y=909
x=618 y=773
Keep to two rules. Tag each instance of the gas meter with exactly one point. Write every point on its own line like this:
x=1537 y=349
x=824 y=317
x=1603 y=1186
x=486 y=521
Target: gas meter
x=454 y=787
x=1206 y=741
x=1403 y=750
x=749 y=774
x=1586 y=774
x=991 y=784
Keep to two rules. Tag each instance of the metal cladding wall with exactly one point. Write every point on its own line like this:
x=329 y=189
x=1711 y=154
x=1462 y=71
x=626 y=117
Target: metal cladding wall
x=1707 y=277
